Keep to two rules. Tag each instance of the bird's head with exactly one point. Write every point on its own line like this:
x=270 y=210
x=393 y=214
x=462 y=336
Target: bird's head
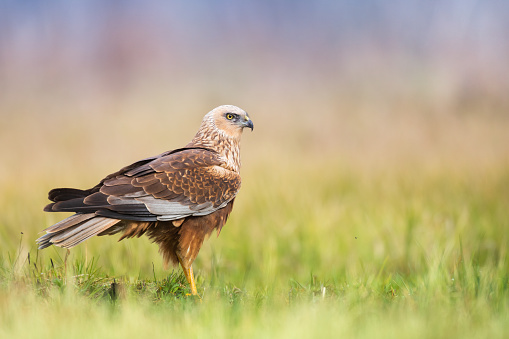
x=229 y=120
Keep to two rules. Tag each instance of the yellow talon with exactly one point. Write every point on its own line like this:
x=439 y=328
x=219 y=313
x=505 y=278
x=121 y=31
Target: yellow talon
x=188 y=272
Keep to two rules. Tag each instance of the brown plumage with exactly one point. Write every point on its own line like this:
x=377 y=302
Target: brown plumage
x=176 y=198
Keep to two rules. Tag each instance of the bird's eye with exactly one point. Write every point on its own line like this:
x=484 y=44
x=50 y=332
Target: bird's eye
x=229 y=116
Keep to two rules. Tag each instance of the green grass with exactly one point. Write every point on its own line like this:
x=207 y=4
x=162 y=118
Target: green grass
x=321 y=250
x=368 y=226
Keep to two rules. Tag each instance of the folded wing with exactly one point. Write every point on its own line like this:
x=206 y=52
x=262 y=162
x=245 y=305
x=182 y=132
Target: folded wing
x=183 y=183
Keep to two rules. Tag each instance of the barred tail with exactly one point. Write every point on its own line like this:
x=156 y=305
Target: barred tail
x=74 y=230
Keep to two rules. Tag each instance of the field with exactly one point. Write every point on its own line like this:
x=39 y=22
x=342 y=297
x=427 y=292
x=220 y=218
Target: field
x=360 y=225
x=375 y=193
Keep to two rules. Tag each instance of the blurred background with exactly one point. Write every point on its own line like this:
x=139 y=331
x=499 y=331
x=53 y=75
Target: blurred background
x=352 y=77
x=348 y=89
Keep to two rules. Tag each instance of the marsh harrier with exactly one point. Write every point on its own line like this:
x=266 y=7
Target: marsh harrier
x=176 y=198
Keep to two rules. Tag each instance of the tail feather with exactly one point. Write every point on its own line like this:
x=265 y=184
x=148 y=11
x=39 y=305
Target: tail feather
x=66 y=223
x=83 y=227
x=89 y=232
x=74 y=230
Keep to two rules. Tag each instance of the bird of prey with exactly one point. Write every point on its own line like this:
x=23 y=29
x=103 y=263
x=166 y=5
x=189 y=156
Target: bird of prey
x=176 y=198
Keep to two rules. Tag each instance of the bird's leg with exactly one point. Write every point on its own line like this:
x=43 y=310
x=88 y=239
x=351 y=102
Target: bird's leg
x=188 y=272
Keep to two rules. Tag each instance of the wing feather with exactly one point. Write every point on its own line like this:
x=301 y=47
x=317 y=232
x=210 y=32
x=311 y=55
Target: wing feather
x=175 y=185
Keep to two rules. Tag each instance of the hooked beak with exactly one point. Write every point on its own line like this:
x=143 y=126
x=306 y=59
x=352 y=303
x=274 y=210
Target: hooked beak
x=248 y=123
